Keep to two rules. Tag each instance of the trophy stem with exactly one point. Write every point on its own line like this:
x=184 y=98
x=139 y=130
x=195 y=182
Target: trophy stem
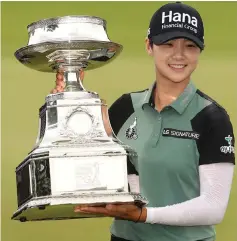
x=72 y=81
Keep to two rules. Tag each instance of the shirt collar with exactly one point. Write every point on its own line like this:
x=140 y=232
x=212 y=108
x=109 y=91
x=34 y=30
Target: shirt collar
x=180 y=104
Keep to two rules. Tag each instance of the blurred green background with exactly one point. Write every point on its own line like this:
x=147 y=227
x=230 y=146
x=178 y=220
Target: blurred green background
x=24 y=90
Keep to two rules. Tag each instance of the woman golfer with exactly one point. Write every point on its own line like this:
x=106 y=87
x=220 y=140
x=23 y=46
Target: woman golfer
x=184 y=141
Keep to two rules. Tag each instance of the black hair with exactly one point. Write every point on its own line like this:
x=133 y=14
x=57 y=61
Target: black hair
x=151 y=43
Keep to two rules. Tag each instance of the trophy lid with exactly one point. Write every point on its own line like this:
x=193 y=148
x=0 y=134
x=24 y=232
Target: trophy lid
x=68 y=28
x=66 y=20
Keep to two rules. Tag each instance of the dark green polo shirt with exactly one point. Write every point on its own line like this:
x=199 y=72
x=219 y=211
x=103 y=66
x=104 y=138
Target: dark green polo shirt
x=171 y=145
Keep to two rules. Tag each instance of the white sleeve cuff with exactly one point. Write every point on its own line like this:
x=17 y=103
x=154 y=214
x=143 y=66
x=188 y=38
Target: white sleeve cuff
x=207 y=209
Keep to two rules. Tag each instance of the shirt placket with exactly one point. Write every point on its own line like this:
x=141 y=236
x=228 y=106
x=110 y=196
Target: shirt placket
x=156 y=130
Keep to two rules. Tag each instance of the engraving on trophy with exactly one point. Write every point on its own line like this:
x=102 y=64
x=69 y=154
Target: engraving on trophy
x=52 y=27
x=87 y=177
x=79 y=123
x=58 y=55
x=77 y=159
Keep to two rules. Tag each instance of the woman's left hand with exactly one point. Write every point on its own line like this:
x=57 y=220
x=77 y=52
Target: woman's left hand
x=126 y=211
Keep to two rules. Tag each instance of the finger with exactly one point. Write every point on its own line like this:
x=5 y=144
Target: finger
x=92 y=210
x=59 y=89
x=121 y=208
x=53 y=91
x=105 y=212
x=59 y=76
x=81 y=206
x=116 y=208
x=84 y=212
x=98 y=210
x=60 y=80
x=59 y=83
x=82 y=74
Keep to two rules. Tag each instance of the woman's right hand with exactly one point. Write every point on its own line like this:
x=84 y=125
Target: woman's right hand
x=60 y=84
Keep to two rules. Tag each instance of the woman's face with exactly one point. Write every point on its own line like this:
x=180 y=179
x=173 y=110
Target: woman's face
x=176 y=59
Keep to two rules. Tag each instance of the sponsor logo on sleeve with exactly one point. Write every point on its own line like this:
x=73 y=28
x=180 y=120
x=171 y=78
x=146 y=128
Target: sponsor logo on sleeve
x=229 y=148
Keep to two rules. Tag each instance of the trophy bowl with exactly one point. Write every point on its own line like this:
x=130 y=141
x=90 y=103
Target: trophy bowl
x=76 y=159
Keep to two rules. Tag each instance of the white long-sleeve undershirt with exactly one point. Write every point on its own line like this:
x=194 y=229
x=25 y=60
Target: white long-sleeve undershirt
x=207 y=209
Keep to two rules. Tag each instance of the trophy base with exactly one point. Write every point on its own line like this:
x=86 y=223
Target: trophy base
x=62 y=207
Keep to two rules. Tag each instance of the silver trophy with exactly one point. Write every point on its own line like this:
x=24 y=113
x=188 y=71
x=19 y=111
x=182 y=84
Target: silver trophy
x=76 y=159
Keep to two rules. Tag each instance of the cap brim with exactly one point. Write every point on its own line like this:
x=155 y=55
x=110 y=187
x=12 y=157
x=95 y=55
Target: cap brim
x=164 y=37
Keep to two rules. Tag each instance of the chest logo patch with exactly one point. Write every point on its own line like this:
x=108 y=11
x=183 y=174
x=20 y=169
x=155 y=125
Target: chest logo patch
x=131 y=132
x=180 y=134
x=229 y=148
